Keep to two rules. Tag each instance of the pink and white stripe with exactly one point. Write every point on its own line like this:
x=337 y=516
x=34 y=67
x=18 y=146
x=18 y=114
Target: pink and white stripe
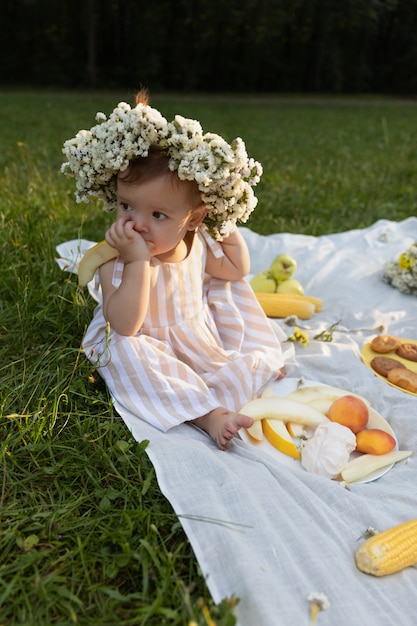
x=204 y=343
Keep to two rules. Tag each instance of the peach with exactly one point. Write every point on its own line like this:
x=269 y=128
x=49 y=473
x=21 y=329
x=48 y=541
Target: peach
x=374 y=441
x=349 y=411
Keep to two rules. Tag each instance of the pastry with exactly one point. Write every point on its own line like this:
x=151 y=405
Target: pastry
x=407 y=351
x=402 y=377
x=384 y=343
x=383 y=364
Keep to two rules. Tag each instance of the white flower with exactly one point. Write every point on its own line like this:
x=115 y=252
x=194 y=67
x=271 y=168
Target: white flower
x=318 y=602
x=320 y=598
x=402 y=274
x=223 y=172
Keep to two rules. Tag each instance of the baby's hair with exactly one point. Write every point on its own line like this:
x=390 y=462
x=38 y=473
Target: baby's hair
x=142 y=96
x=143 y=169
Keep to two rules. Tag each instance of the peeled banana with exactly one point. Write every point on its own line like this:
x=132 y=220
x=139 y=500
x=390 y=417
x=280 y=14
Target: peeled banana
x=92 y=259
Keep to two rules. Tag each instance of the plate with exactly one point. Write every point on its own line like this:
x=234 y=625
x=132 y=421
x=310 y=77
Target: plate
x=368 y=355
x=285 y=386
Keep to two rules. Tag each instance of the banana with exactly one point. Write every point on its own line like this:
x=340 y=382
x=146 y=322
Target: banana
x=283 y=409
x=360 y=467
x=92 y=259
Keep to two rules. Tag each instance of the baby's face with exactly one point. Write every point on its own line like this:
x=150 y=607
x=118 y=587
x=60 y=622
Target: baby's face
x=160 y=209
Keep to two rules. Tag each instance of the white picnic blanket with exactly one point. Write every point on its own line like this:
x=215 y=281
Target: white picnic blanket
x=270 y=533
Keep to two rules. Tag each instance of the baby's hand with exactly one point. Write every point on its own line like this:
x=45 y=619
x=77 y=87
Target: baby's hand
x=130 y=244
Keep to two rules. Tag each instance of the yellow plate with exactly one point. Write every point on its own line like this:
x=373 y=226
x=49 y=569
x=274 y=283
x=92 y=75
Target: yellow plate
x=283 y=388
x=368 y=355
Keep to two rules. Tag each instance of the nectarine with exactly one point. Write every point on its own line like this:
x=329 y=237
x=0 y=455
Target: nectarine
x=374 y=441
x=349 y=411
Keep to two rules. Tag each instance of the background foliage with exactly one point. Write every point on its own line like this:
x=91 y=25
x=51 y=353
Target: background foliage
x=212 y=45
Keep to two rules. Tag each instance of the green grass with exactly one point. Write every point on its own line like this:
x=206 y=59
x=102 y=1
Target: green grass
x=86 y=536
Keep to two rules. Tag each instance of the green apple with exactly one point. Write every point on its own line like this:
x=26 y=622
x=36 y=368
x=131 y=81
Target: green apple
x=263 y=282
x=290 y=286
x=283 y=267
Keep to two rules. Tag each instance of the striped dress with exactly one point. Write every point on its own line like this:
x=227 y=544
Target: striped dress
x=205 y=343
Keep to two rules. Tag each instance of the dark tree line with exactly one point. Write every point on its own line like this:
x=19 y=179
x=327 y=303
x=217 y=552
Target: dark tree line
x=331 y=46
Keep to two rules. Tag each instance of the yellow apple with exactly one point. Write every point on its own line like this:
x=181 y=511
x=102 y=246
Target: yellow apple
x=290 y=285
x=263 y=283
x=283 y=267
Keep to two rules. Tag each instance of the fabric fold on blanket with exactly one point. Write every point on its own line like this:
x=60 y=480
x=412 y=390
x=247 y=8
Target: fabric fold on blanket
x=270 y=533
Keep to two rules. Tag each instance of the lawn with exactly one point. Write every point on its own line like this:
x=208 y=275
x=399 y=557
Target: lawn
x=86 y=537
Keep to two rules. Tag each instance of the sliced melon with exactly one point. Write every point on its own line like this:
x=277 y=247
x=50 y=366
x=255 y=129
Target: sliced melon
x=283 y=409
x=255 y=431
x=296 y=430
x=277 y=434
x=360 y=467
x=314 y=392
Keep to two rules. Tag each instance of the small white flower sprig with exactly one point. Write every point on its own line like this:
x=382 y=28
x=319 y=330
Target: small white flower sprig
x=224 y=173
x=318 y=602
x=402 y=274
x=326 y=335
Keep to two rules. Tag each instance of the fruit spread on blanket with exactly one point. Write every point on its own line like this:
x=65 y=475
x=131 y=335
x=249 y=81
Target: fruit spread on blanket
x=281 y=295
x=321 y=426
x=394 y=360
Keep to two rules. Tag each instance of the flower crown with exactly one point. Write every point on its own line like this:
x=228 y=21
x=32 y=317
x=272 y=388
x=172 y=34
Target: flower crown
x=224 y=173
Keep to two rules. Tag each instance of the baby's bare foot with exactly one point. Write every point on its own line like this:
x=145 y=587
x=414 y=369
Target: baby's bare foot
x=281 y=374
x=222 y=425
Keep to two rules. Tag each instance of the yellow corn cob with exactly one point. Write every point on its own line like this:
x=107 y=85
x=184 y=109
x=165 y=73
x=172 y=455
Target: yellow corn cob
x=390 y=551
x=284 y=305
x=318 y=302
x=292 y=297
